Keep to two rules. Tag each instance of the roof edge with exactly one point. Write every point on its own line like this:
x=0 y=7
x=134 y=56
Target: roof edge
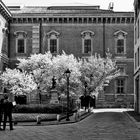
x=6 y=9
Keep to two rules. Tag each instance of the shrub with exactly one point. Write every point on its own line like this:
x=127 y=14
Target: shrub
x=39 y=108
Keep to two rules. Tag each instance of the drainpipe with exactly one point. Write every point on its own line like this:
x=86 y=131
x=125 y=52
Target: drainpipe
x=40 y=36
x=104 y=38
x=9 y=42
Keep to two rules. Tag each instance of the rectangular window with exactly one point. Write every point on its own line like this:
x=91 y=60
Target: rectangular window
x=53 y=45
x=21 y=46
x=87 y=45
x=120 y=83
x=135 y=60
x=120 y=46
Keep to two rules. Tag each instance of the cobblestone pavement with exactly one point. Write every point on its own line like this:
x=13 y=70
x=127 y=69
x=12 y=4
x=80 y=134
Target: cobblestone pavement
x=98 y=126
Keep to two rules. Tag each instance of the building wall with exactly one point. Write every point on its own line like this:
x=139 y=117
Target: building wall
x=70 y=41
x=3 y=43
x=137 y=56
x=102 y=23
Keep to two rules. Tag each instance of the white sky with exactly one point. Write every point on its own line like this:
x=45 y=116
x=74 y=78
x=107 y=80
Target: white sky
x=119 y=5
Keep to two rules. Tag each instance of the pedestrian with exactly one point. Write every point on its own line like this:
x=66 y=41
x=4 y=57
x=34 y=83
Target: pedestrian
x=94 y=101
x=8 y=106
x=1 y=112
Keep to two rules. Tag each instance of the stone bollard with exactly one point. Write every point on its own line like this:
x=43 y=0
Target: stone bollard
x=58 y=117
x=75 y=115
x=38 y=119
x=78 y=114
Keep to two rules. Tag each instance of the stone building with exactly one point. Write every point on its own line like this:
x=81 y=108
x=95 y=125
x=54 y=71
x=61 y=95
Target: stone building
x=80 y=30
x=137 y=56
x=5 y=17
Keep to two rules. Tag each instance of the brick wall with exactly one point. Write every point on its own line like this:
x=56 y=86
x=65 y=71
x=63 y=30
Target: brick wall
x=70 y=41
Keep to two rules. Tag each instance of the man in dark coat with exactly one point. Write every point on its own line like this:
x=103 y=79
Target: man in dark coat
x=1 y=112
x=8 y=106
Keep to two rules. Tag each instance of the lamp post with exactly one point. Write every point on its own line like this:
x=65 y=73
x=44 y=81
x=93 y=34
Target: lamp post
x=85 y=88
x=67 y=73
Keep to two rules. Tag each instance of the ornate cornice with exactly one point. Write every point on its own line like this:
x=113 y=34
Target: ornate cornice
x=4 y=11
x=53 y=33
x=120 y=32
x=89 y=33
x=18 y=33
x=5 y=30
x=76 y=20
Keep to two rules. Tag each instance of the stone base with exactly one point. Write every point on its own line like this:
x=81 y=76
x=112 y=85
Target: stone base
x=54 y=97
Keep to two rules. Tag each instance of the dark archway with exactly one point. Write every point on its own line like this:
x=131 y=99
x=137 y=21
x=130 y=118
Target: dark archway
x=88 y=101
x=21 y=99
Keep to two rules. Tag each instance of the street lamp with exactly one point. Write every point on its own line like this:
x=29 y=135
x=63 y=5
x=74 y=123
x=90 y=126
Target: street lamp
x=85 y=88
x=67 y=73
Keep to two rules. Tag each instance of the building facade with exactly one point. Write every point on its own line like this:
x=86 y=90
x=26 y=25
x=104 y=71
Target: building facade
x=79 y=30
x=5 y=17
x=137 y=56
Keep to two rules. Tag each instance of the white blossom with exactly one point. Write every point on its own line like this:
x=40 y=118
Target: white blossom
x=17 y=82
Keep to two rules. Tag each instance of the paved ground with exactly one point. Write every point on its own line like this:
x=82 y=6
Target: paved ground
x=101 y=125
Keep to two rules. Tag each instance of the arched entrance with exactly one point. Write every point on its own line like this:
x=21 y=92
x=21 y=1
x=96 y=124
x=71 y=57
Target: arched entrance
x=21 y=99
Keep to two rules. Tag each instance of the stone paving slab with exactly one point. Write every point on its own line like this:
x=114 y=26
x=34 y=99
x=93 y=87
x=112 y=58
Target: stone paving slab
x=100 y=125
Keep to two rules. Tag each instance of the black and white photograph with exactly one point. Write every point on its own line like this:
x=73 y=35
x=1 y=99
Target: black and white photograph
x=70 y=70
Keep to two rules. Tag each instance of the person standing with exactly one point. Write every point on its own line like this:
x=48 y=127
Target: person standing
x=7 y=106
x=1 y=112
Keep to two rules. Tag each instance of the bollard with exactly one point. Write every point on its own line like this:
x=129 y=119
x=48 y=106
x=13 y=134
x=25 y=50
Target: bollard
x=38 y=119
x=78 y=113
x=58 y=117
x=75 y=115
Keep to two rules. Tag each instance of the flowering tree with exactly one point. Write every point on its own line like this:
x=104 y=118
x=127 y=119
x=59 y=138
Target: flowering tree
x=17 y=82
x=43 y=67
x=38 y=70
x=60 y=64
x=39 y=66
x=97 y=71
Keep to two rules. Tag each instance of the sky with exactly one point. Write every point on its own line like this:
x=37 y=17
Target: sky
x=119 y=5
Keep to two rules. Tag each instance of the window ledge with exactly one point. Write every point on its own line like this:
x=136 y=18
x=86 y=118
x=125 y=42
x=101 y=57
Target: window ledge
x=120 y=55
x=55 y=53
x=87 y=53
x=120 y=94
x=20 y=53
x=123 y=75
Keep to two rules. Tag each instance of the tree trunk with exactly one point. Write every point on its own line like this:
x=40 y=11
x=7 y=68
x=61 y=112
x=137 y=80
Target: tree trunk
x=39 y=93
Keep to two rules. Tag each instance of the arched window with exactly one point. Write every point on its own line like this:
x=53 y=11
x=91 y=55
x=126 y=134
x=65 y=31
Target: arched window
x=53 y=42
x=20 y=42
x=120 y=42
x=87 y=42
